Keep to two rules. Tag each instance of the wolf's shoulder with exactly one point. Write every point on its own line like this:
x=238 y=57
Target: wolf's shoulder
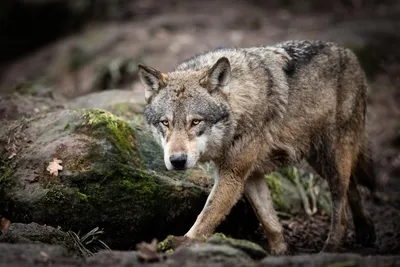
x=208 y=58
x=299 y=51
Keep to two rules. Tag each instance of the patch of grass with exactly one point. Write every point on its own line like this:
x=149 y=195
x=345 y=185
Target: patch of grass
x=89 y=244
x=6 y=172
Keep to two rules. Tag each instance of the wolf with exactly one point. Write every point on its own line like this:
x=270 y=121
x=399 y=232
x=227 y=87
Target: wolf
x=254 y=110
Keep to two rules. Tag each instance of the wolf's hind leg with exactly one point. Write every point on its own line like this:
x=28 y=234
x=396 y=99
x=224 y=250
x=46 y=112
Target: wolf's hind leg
x=257 y=192
x=334 y=163
x=363 y=225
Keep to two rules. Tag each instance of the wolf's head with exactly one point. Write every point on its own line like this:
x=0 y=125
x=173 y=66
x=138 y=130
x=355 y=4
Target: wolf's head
x=187 y=112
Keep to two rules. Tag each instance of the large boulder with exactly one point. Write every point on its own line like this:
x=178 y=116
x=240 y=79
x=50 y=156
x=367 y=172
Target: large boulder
x=112 y=177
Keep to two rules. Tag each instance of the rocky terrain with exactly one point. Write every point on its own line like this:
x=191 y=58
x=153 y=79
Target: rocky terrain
x=83 y=184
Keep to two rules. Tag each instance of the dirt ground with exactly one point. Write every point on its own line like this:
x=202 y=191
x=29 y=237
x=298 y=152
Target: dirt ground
x=162 y=40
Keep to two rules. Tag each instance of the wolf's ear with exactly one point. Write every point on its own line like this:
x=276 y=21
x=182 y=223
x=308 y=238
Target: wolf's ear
x=152 y=79
x=218 y=76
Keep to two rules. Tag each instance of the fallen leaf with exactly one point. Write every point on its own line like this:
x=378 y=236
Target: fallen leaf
x=148 y=252
x=12 y=155
x=4 y=223
x=54 y=166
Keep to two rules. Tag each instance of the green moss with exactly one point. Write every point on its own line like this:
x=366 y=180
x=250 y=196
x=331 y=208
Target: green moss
x=54 y=196
x=128 y=184
x=5 y=176
x=166 y=244
x=106 y=125
x=143 y=186
x=275 y=186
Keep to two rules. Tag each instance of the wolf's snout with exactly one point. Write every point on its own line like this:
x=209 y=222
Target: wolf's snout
x=178 y=160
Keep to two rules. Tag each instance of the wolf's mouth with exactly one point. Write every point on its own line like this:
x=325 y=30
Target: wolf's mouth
x=179 y=169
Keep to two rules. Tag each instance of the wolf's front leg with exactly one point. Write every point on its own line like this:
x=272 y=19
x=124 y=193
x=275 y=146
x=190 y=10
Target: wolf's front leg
x=226 y=191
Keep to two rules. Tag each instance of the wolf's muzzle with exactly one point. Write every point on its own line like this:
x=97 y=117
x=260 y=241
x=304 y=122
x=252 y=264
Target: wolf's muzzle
x=178 y=161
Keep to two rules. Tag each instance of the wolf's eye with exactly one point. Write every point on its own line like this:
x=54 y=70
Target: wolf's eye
x=195 y=122
x=165 y=122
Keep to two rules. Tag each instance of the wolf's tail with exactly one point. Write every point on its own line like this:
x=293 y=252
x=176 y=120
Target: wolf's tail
x=364 y=171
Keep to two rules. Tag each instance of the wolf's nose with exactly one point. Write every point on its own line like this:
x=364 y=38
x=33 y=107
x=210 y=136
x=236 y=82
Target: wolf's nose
x=178 y=160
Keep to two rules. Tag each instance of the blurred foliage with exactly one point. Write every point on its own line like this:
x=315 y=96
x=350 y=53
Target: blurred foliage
x=89 y=243
x=115 y=72
x=293 y=188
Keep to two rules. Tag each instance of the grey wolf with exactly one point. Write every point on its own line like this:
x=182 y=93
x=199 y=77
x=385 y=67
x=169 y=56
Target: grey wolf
x=255 y=110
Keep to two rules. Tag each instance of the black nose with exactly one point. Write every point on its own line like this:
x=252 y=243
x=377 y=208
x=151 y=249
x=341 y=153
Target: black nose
x=178 y=160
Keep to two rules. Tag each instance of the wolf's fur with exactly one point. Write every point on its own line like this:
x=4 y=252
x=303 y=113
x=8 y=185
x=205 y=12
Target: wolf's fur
x=254 y=110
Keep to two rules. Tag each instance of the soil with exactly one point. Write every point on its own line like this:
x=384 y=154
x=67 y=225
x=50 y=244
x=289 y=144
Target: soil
x=197 y=26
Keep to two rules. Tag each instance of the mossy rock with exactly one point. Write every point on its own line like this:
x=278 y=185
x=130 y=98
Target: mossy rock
x=33 y=233
x=254 y=250
x=113 y=177
x=173 y=243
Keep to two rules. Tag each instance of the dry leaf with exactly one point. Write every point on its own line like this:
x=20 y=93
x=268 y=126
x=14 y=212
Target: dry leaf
x=148 y=252
x=54 y=166
x=4 y=223
x=13 y=154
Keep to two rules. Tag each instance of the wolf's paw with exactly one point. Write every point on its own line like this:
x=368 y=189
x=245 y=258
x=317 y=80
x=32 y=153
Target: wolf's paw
x=330 y=246
x=365 y=233
x=173 y=242
x=280 y=251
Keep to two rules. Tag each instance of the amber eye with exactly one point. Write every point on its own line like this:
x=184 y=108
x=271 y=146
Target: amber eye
x=165 y=122
x=195 y=122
